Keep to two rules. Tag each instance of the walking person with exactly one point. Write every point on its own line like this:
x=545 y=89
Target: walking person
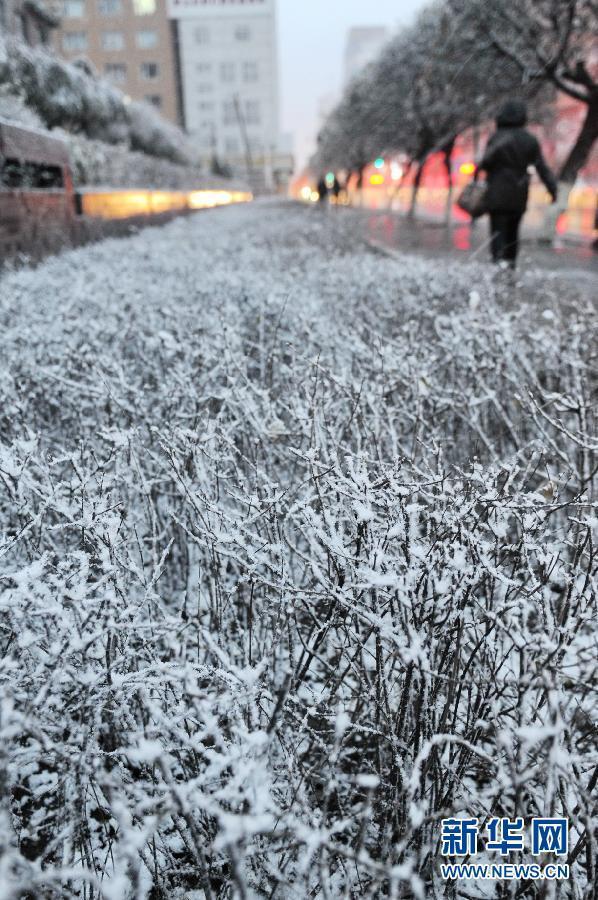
x=509 y=153
x=336 y=190
x=322 y=189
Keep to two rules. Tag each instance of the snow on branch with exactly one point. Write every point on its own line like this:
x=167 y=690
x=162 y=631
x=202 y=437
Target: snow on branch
x=296 y=560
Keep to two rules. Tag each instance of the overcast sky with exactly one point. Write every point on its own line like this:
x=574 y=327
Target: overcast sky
x=312 y=36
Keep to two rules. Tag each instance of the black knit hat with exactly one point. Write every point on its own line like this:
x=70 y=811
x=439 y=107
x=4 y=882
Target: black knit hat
x=513 y=114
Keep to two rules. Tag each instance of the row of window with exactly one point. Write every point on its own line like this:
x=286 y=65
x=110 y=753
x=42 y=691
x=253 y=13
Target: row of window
x=76 y=9
x=76 y=41
x=250 y=111
x=228 y=73
x=231 y=145
x=117 y=73
x=240 y=33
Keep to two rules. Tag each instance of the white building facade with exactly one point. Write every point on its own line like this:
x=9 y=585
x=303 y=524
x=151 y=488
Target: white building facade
x=228 y=62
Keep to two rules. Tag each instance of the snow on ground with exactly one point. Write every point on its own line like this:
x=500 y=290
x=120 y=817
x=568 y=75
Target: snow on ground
x=296 y=561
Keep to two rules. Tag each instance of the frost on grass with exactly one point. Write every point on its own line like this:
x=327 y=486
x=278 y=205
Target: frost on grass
x=297 y=559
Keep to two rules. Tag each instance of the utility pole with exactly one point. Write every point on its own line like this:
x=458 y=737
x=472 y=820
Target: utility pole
x=244 y=135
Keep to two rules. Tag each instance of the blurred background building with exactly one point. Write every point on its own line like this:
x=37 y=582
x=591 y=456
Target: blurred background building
x=210 y=67
x=129 y=42
x=31 y=20
x=228 y=55
x=363 y=46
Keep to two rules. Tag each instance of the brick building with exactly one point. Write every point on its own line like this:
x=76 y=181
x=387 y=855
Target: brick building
x=129 y=42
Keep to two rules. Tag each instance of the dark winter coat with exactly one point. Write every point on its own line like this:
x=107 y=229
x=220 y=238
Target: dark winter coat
x=510 y=151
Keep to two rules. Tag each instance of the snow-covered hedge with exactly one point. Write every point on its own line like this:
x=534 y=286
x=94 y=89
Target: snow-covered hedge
x=297 y=560
x=64 y=95
x=96 y=162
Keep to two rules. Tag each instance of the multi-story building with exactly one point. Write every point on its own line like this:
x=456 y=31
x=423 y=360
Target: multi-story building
x=129 y=42
x=363 y=46
x=229 y=76
x=30 y=20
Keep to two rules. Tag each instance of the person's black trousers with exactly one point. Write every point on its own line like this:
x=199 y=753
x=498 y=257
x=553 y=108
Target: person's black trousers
x=504 y=236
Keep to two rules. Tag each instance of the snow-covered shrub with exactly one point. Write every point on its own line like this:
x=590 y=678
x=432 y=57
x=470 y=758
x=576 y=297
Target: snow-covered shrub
x=297 y=560
x=98 y=164
x=13 y=108
x=65 y=95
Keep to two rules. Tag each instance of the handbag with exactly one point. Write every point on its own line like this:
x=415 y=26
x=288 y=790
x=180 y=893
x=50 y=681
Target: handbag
x=474 y=199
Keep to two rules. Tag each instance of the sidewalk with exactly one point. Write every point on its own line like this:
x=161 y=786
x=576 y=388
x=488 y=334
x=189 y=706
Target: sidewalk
x=467 y=241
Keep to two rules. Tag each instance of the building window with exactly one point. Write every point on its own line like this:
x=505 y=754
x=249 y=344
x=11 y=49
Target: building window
x=229 y=112
x=116 y=72
x=242 y=33
x=149 y=70
x=203 y=67
x=110 y=7
x=144 y=7
x=203 y=106
x=227 y=72
x=154 y=100
x=147 y=39
x=252 y=112
x=205 y=88
x=113 y=40
x=74 y=41
x=250 y=72
x=73 y=9
x=202 y=35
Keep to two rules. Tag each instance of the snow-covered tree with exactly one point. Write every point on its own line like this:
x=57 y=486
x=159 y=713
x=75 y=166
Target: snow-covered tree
x=66 y=95
x=548 y=41
x=431 y=82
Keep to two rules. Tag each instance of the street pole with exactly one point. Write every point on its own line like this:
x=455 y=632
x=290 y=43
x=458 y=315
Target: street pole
x=244 y=135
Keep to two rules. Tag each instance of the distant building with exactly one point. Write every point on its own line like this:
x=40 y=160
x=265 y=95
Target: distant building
x=229 y=74
x=31 y=20
x=326 y=104
x=129 y=42
x=363 y=46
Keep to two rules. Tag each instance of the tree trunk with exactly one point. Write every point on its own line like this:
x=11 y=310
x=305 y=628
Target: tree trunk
x=416 y=187
x=578 y=157
x=580 y=152
x=476 y=142
x=359 y=185
x=395 y=191
x=554 y=212
x=448 y=164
